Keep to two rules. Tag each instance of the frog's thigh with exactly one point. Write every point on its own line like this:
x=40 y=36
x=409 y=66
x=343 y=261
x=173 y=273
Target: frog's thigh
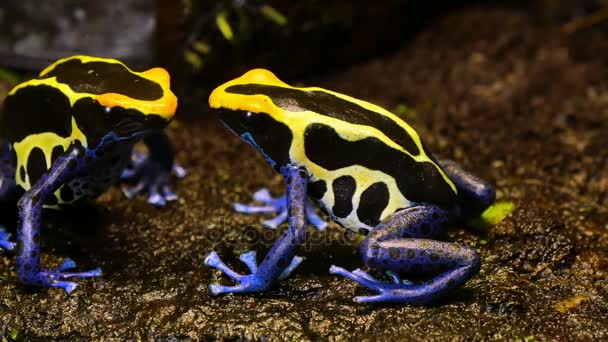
x=398 y=244
x=476 y=193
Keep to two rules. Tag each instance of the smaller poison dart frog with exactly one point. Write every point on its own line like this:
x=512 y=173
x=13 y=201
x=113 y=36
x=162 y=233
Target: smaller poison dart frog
x=67 y=135
x=368 y=170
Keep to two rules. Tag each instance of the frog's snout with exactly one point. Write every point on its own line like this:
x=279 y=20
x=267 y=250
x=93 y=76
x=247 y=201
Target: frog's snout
x=167 y=105
x=158 y=75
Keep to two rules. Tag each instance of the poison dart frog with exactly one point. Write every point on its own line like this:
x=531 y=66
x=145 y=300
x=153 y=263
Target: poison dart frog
x=67 y=135
x=368 y=170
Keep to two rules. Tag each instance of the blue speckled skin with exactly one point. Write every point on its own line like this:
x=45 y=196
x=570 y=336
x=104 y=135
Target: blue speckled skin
x=403 y=243
x=74 y=165
x=281 y=259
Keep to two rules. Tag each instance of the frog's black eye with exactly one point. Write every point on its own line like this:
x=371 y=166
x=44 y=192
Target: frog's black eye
x=248 y=119
x=111 y=116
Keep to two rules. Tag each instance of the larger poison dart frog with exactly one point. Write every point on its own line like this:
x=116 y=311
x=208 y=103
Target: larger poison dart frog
x=67 y=135
x=368 y=170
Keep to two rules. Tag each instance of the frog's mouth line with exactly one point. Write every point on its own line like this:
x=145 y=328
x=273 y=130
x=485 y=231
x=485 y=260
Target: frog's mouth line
x=232 y=119
x=131 y=127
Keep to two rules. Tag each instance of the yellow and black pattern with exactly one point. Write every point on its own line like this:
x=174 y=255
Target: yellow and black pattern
x=365 y=163
x=77 y=100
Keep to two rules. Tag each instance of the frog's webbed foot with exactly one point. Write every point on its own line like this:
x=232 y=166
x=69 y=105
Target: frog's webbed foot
x=148 y=175
x=5 y=243
x=57 y=277
x=399 y=291
x=257 y=281
x=279 y=207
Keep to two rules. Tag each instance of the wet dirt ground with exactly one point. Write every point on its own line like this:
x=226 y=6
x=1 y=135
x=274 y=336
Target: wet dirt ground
x=523 y=105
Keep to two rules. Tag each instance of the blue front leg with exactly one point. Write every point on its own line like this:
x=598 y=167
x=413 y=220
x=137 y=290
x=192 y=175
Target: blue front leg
x=281 y=259
x=402 y=244
x=29 y=268
x=152 y=173
x=277 y=206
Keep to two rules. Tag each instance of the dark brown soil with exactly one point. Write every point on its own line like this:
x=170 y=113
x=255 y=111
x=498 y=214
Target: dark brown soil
x=521 y=104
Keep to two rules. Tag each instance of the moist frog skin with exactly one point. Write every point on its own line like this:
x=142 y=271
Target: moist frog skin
x=368 y=170
x=67 y=135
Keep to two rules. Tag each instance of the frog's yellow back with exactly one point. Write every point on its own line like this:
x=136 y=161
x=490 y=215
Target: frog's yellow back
x=334 y=136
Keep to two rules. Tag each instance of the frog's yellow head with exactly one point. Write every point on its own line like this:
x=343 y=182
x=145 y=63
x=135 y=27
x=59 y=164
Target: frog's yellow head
x=223 y=97
x=113 y=84
x=252 y=115
x=106 y=96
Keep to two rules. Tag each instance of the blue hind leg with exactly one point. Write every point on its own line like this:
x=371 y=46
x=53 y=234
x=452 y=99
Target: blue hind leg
x=277 y=206
x=152 y=173
x=7 y=188
x=401 y=244
x=280 y=260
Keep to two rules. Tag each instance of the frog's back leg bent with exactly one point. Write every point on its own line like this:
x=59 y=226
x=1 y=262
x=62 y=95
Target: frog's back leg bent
x=402 y=244
x=474 y=193
x=7 y=187
x=29 y=268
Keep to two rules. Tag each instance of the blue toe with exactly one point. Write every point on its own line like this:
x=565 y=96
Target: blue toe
x=217 y=289
x=250 y=259
x=5 y=243
x=156 y=199
x=275 y=222
x=263 y=195
x=179 y=171
x=295 y=262
x=213 y=260
x=67 y=264
x=58 y=278
x=314 y=219
x=253 y=209
x=67 y=286
x=254 y=282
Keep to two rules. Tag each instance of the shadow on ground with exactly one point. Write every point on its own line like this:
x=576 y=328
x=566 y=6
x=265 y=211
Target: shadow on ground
x=522 y=105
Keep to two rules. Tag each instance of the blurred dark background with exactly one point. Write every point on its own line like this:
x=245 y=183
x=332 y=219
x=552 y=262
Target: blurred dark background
x=515 y=91
x=206 y=42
